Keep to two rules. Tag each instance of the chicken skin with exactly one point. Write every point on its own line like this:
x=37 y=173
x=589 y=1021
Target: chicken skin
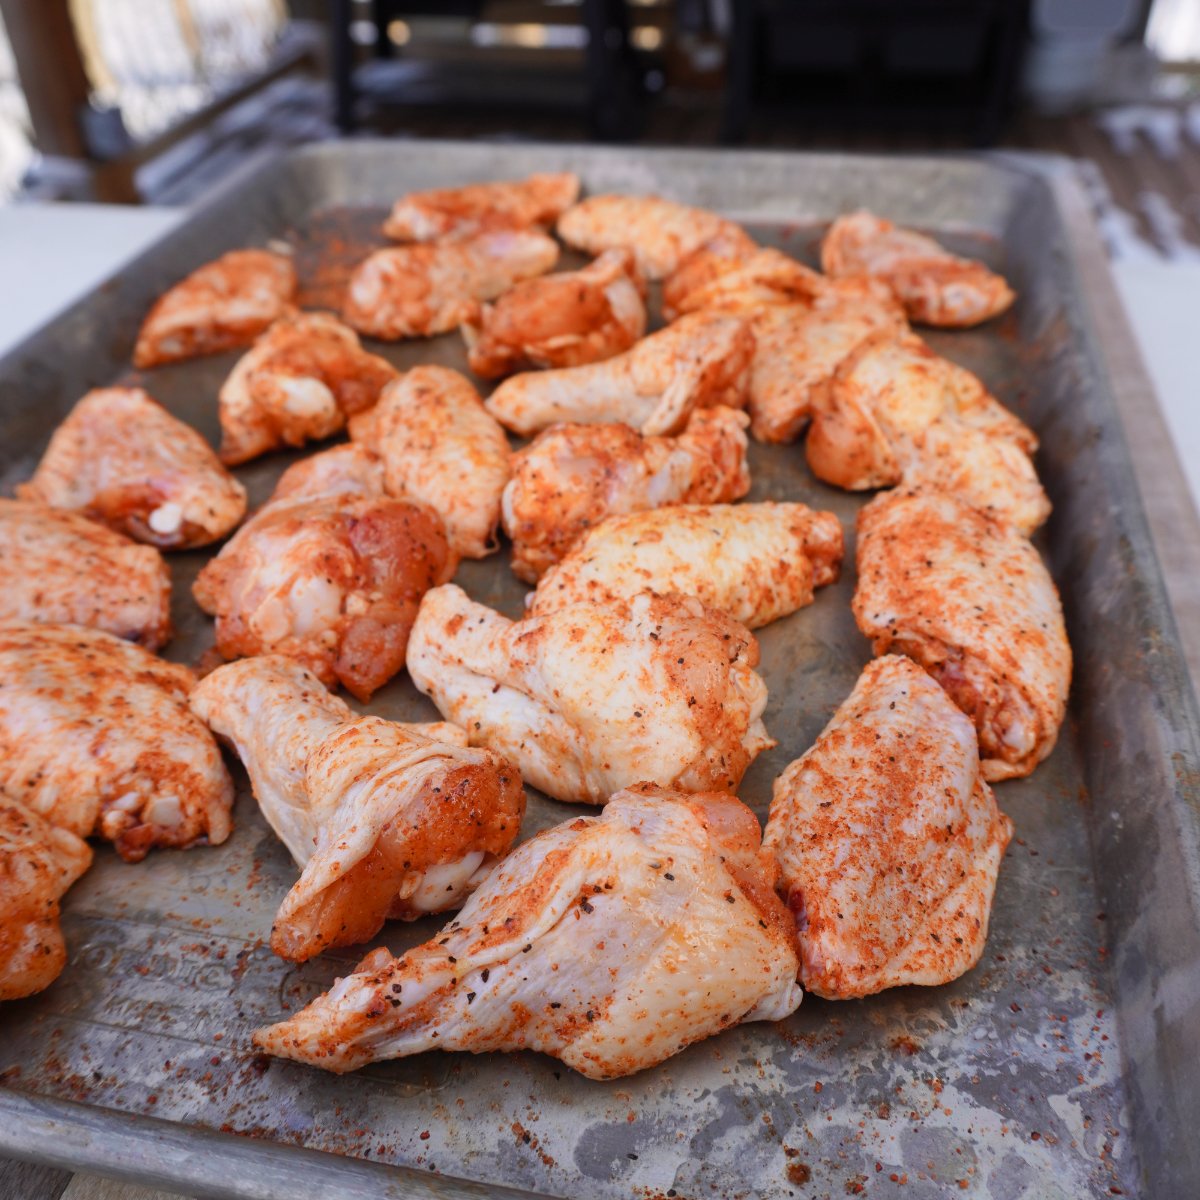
x=97 y=737
x=969 y=599
x=38 y=863
x=420 y=290
x=888 y=839
x=382 y=820
x=661 y=233
x=329 y=577
x=767 y=276
x=564 y=320
x=610 y=942
x=700 y=361
x=464 y=211
x=62 y=569
x=225 y=304
x=573 y=476
x=799 y=346
x=121 y=458
x=895 y=412
x=590 y=699
x=935 y=286
x=755 y=562
x=300 y=382
x=441 y=447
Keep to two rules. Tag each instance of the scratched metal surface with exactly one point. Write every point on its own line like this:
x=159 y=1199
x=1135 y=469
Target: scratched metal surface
x=1010 y=1082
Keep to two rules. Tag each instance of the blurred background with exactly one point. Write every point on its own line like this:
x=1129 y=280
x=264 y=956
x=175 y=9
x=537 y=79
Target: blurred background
x=154 y=101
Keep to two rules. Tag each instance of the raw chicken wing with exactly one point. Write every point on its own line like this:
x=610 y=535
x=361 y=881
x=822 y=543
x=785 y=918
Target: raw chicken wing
x=798 y=347
x=331 y=578
x=382 y=820
x=610 y=942
x=970 y=600
x=462 y=211
x=729 y=248
x=298 y=383
x=661 y=233
x=767 y=276
x=702 y=360
x=441 y=447
x=225 y=304
x=347 y=468
x=563 y=320
x=38 y=862
x=756 y=562
x=593 y=698
x=935 y=286
x=888 y=839
x=573 y=476
x=419 y=290
x=895 y=412
x=97 y=737
x=61 y=568
x=121 y=458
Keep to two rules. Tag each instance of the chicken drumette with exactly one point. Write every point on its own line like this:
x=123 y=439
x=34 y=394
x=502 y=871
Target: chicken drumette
x=702 y=360
x=935 y=286
x=573 y=476
x=595 y=697
x=328 y=572
x=123 y=459
x=382 y=819
x=563 y=320
x=610 y=942
x=300 y=382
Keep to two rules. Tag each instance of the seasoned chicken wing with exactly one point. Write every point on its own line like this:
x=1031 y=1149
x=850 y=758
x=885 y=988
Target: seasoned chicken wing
x=351 y=467
x=38 y=862
x=331 y=578
x=896 y=412
x=728 y=248
x=123 y=459
x=97 y=737
x=768 y=276
x=888 y=839
x=592 y=698
x=61 y=568
x=969 y=599
x=298 y=383
x=383 y=820
x=441 y=447
x=661 y=233
x=224 y=304
x=610 y=942
x=756 y=562
x=798 y=347
x=702 y=360
x=573 y=476
x=463 y=211
x=563 y=320
x=419 y=290
x=935 y=286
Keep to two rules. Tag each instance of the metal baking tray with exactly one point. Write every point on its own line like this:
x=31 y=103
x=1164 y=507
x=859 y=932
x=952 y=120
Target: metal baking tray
x=1064 y=1065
